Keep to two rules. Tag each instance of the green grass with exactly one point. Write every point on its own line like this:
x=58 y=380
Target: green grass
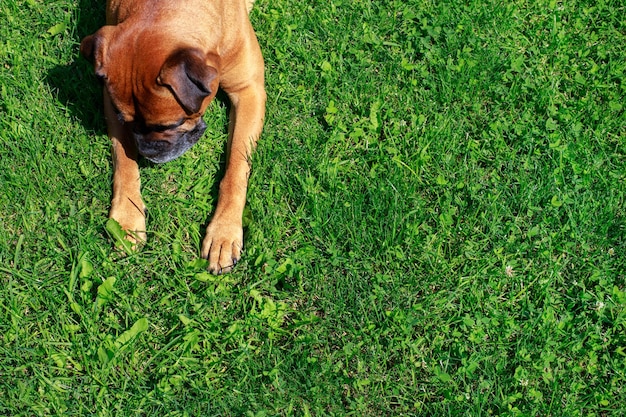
x=437 y=222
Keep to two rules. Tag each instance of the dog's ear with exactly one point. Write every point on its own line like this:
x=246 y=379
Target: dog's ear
x=93 y=48
x=189 y=76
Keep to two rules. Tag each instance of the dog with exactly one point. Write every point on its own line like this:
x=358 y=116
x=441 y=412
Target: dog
x=161 y=63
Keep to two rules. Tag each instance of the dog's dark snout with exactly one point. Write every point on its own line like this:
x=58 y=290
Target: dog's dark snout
x=162 y=147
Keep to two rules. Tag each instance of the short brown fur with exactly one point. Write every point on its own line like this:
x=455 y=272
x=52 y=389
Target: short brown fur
x=161 y=63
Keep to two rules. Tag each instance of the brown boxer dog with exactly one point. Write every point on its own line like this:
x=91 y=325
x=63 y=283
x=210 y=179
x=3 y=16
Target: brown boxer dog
x=161 y=63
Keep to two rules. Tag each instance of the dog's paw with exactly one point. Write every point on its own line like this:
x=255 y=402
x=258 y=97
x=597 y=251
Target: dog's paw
x=127 y=227
x=222 y=246
x=125 y=239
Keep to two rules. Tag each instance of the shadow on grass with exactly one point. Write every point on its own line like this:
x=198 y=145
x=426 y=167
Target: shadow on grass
x=75 y=83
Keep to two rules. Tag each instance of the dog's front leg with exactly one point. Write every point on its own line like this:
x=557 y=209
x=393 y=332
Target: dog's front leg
x=127 y=206
x=223 y=242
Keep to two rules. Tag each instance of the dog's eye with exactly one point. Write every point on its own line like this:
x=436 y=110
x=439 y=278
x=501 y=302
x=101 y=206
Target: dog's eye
x=159 y=128
x=162 y=128
x=140 y=128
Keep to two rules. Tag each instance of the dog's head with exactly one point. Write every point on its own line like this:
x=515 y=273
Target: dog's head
x=159 y=88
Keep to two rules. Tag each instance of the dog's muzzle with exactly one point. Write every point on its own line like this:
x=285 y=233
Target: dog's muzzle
x=160 y=151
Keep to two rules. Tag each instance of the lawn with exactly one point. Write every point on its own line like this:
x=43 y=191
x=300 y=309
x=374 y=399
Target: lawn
x=436 y=222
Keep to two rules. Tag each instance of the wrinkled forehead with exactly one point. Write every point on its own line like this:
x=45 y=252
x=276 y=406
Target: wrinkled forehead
x=133 y=87
x=141 y=99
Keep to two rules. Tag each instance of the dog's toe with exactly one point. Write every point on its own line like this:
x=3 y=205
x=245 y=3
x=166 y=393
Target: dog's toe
x=222 y=247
